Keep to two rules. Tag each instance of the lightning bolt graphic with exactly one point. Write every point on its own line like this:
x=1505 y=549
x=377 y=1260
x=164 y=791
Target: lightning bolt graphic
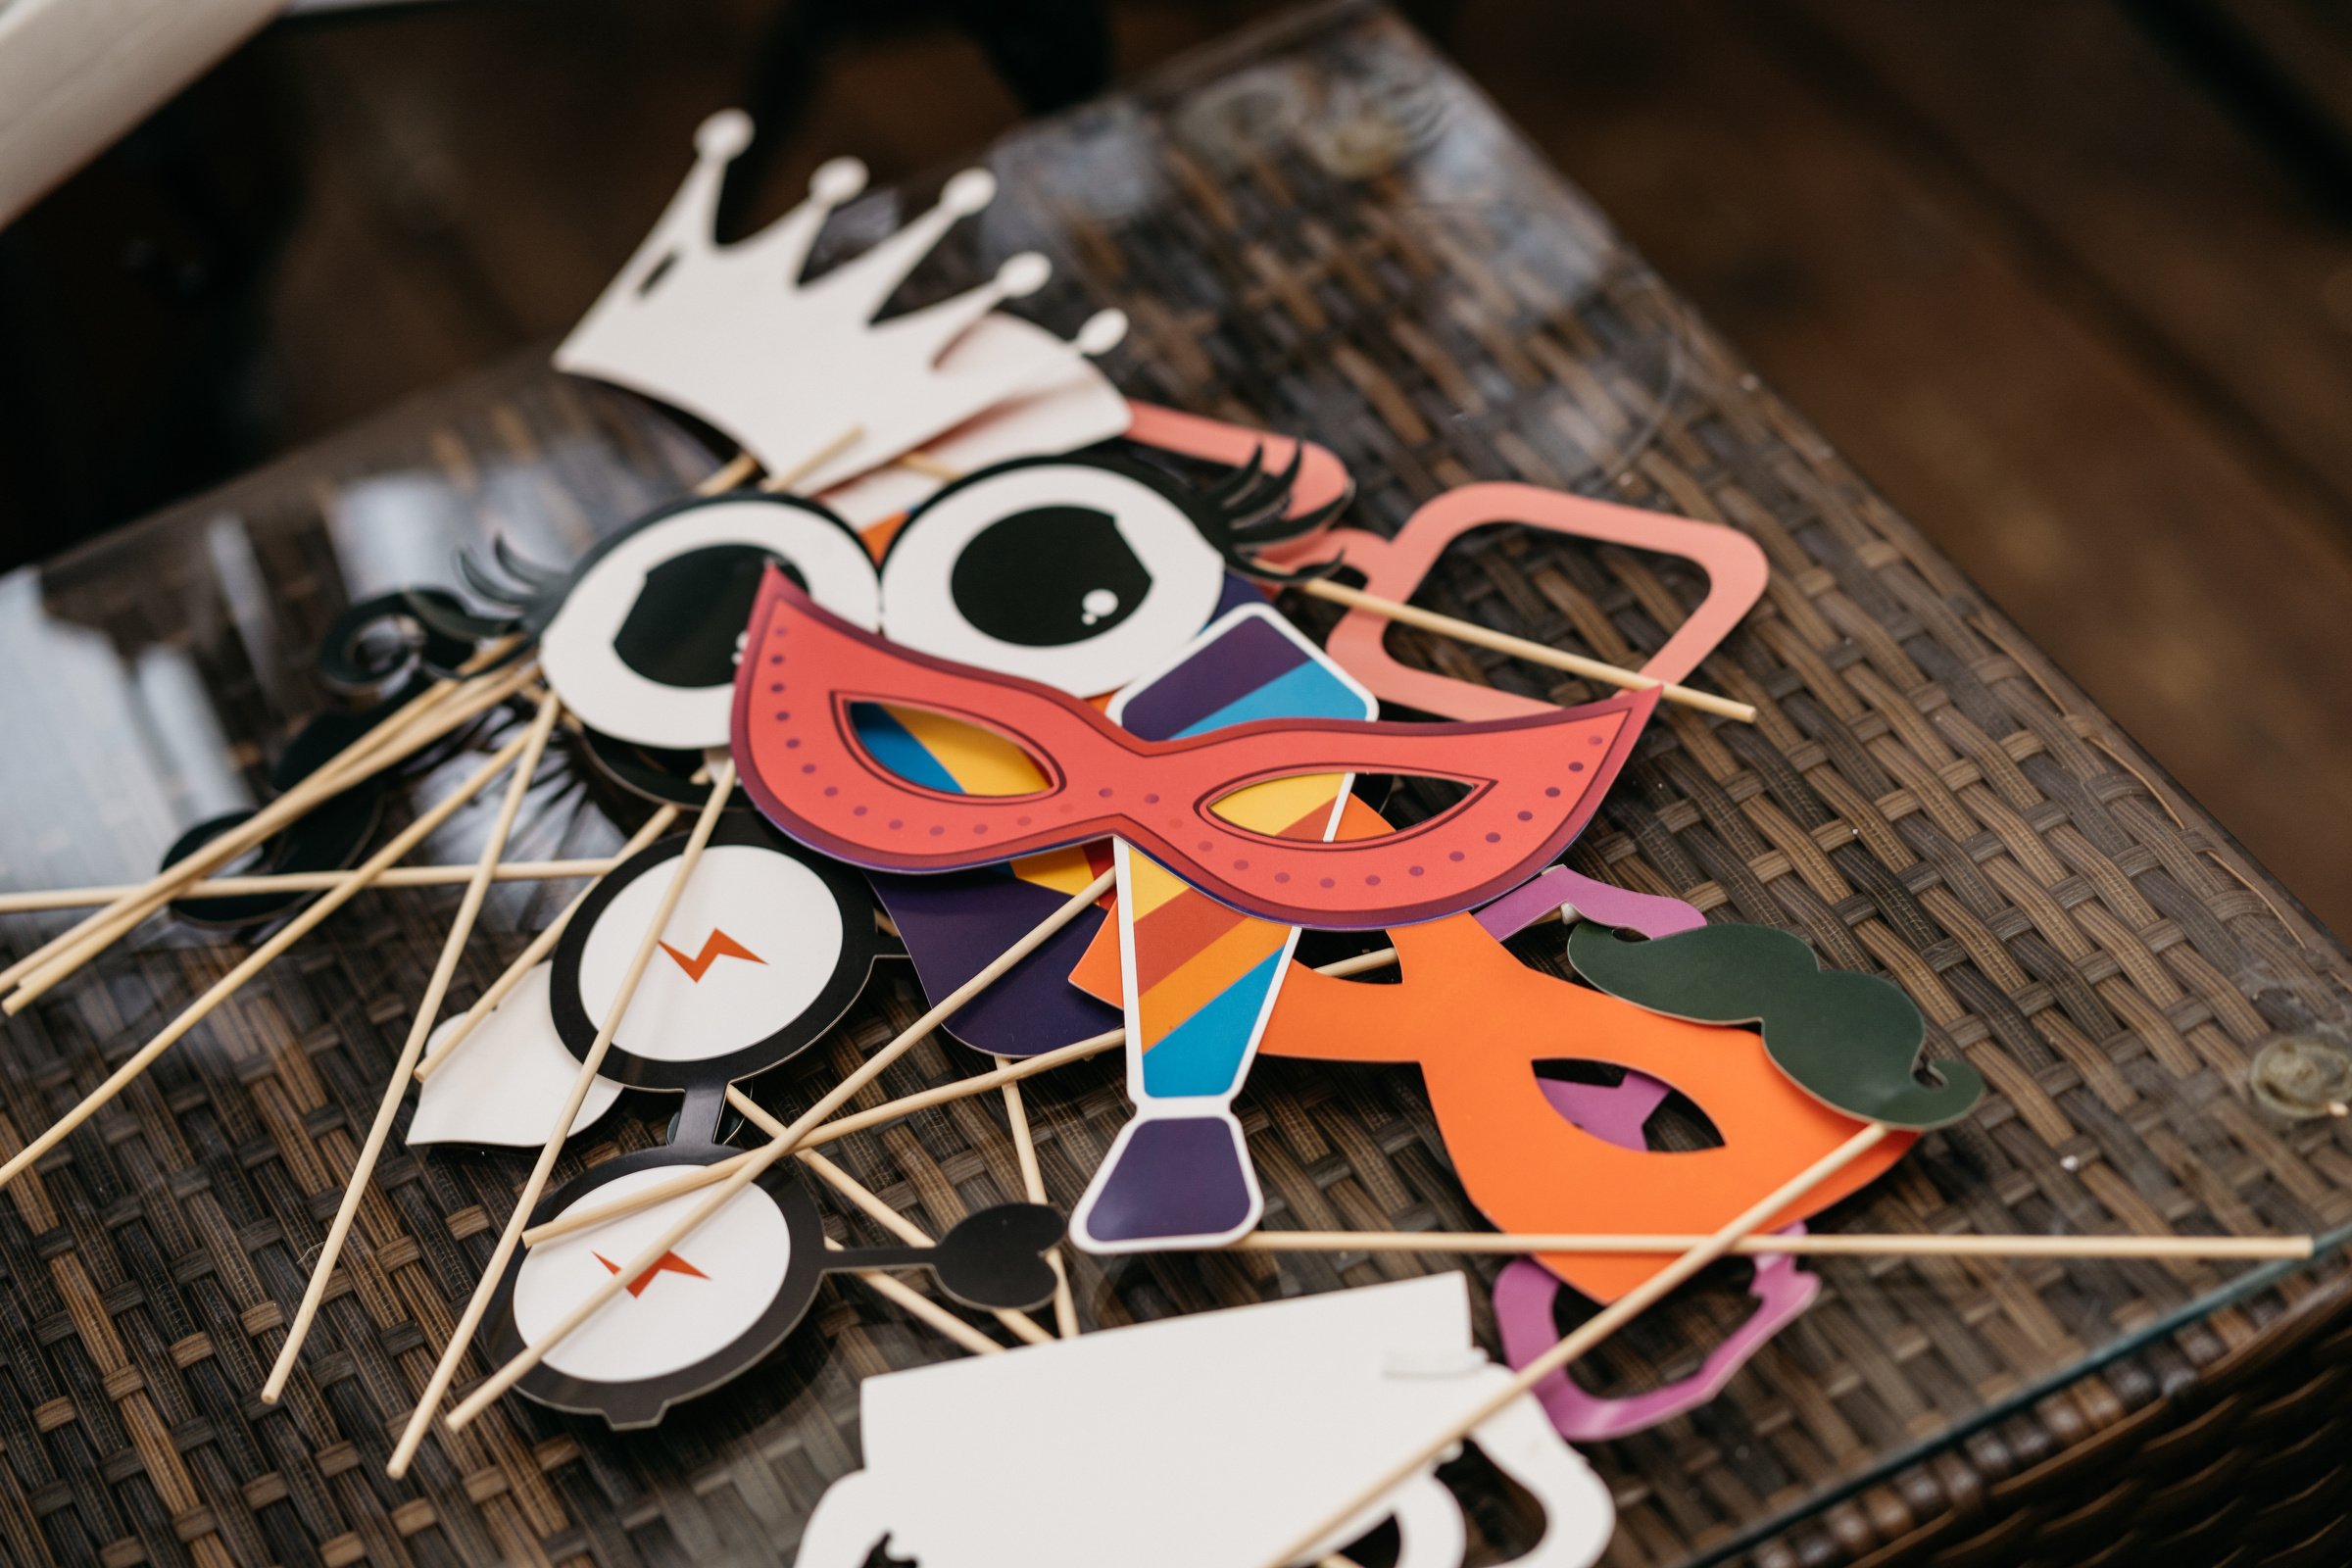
x=670 y=1262
x=716 y=946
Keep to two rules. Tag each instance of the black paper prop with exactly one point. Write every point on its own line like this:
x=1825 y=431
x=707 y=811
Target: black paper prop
x=1850 y=1041
x=638 y=638
x=1080 y=572
x=661 y=774
x=767 y=950
x=377 y=652
x=724 y=1298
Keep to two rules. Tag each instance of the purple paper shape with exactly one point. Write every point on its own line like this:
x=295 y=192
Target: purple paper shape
x=955 y=925
x=1650 y=914
x=1174 y=1176
x=1616 y=1113
x=1524 y=1295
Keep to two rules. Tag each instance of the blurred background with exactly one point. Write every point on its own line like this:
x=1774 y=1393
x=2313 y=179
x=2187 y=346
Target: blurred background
x=2071 y=280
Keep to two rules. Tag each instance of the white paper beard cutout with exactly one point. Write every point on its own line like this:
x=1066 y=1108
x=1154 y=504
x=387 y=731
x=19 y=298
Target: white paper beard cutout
x=505 y=1083
x=1216 y=1438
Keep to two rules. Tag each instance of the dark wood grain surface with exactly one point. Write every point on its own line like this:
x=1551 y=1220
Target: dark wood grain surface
x=1321 y=228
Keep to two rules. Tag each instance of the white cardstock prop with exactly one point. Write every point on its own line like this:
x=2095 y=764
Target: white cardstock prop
x=503 y=1086
x=582 y=659
x=788 y=367
x=1073 y=413
x=1196 y=1443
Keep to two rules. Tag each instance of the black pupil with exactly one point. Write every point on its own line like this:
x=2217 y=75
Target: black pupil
x=691 y=613
x=1049 y=578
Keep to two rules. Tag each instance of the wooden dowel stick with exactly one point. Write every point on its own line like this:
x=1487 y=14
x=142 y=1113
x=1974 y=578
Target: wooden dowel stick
x=839 y=1127
x=1033 y=1187
x=1023 y=1326
x=734 y=473
x=842 y=1126
x=226 y=887
x=428 y=1011
x=533 y=952
x=260 y=959
x=2236 y=1247
x=786 y=478
x=103 y=929
x=1535 y=652
x=722 y=785
x=345 y=767
x=774 y=1150
x=917 y=1304
x=1592 y=1332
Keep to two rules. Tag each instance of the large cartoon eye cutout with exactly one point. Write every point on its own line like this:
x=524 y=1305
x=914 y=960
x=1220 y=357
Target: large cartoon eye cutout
x=1079 y=572
x=642 y=640
x=1394 y=569
x=1075 y=573
x=765 y=951
x=716 y=1304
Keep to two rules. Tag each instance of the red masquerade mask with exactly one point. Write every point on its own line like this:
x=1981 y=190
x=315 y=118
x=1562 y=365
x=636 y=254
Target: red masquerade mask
x=1531 y=783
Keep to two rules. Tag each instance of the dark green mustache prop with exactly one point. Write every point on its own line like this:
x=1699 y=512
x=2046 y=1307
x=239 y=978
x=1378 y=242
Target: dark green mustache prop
x=1850 y=1041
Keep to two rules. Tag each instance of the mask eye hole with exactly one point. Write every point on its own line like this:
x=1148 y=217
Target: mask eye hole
x=1284 y=807
x=644 y=643
x=945 y=753
x=1079 y=575
x=1625 y=1108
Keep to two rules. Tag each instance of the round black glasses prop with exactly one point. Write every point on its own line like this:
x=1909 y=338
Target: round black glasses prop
x=767 y=950
x=720 y=1302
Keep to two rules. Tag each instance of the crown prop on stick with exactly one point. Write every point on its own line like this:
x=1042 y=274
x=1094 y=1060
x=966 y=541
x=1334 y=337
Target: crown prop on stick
x=736 y=336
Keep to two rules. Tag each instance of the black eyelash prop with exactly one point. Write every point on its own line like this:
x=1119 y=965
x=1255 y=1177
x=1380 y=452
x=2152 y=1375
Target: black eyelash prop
x=639 y=637
x=382 y=656
x=1248 y=513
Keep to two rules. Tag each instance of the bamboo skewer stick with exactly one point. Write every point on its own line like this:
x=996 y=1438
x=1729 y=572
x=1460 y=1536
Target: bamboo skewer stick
x=339 y=772
x=1535 y=652
x=534 y=953
x=735 y=472
x=1607 y=1321
x=776 y=1148
x=260 y=959
x=2230 y=1247
x=785 y=479
x=429 y=1010
x=722 y=785
x=839 y=1127
x=101 y=930
x=400 y=876
x=842 y=1126
x=1023 y=1326
x=1033 y=1187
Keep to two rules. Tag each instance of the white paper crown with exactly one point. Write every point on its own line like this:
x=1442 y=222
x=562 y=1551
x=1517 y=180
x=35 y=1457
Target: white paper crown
x=790 y=368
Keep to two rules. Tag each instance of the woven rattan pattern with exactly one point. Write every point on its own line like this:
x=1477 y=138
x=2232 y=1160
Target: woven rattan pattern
x=1322 y=230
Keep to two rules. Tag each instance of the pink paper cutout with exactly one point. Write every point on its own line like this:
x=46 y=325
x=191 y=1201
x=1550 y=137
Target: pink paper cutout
x=1524 y=1295
x=1393 y=568
x=1650 y=913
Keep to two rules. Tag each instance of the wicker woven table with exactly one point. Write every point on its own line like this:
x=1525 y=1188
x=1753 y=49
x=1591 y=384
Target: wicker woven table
x=1319 y=229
